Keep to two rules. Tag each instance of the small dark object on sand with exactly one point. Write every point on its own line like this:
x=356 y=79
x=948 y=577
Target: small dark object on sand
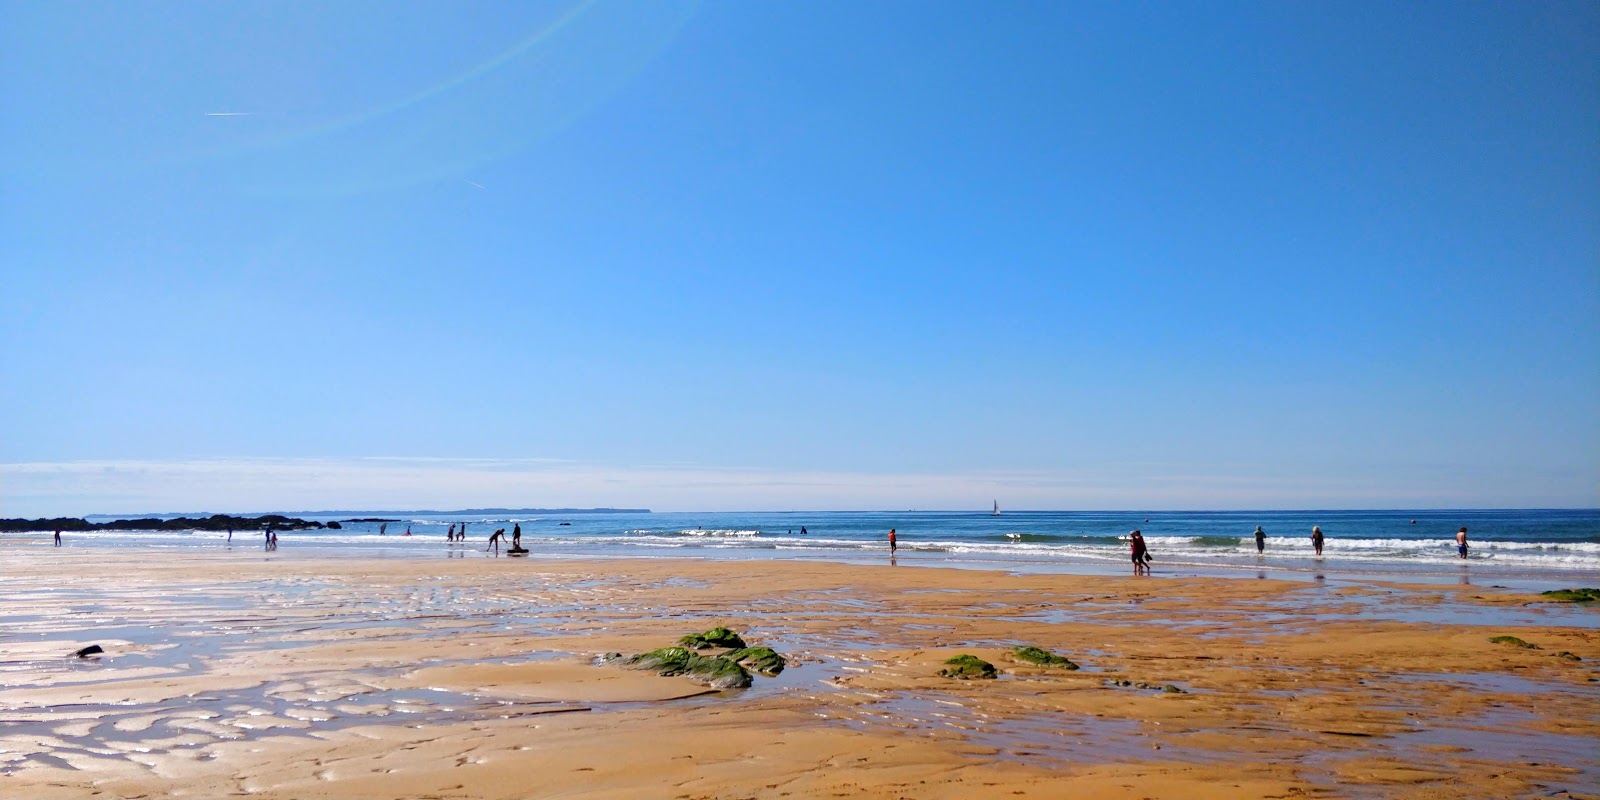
x=91 y=650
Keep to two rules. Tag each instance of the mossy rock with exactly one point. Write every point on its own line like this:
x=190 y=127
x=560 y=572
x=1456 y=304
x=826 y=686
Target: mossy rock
x=1514 y=641
x=1044 y=658
x=760 y=659
x=1568 y=656
x=1573 y=595
x=716 y=637
x=666 y=661
x=717 y=672
x=967 y=667
x=1171 y=689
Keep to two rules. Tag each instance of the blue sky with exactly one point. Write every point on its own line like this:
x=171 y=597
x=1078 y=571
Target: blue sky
x=798 y=255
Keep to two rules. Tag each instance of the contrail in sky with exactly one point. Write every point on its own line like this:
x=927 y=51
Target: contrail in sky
x=474 y=183
x=230 y=113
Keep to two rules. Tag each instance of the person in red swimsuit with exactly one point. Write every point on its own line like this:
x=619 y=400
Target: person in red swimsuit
x=892 y=544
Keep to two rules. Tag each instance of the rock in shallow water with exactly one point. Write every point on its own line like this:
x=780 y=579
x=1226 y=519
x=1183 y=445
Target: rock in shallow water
x=761 y=659
x=717 y=672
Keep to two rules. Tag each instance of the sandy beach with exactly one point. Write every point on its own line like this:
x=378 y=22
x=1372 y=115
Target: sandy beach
x=285 y=676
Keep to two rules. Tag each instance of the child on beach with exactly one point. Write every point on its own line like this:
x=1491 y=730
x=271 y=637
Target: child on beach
x=1316 y=538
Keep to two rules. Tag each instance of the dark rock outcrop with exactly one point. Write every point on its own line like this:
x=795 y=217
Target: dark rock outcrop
x=91 y=650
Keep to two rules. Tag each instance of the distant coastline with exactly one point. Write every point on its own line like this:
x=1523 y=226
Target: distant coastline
x=393 y=512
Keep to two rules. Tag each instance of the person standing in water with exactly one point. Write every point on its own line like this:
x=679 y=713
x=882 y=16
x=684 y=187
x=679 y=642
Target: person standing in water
x=58 y=537
x=450 y=535
x=1316 y=538
x=1461 y=542
x=893 y=545
x=494 y=540
x=516 y=536
x=1261 y=540
x=383 y=529
x=1141 y=553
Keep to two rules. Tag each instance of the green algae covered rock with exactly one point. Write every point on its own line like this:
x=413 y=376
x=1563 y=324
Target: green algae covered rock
x=1573 y=595
x=1044 y=658
x=1513 y=641
x=666 y=661
x=967 y=667
x=760 y=659
x=716 y=637
x=718 y=672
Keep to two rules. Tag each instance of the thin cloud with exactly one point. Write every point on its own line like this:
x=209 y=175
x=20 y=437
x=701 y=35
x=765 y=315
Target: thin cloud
x=230 y=113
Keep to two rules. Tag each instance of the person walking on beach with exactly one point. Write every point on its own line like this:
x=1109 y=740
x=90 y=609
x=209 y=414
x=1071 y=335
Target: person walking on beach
x=450 y=535
x=1461 y=542
x=893 y=545
x=230 y=536
x=1141 y=553
x=1316 y=538
x=58 y=536
x=1261 y=540
x=461 y=535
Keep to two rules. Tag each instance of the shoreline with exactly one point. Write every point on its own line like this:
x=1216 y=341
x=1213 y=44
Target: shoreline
x=315 y=674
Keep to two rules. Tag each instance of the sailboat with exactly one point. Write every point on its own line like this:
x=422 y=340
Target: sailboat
x=996 y=509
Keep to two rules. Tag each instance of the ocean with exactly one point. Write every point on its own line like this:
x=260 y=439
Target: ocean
x=1543 y=546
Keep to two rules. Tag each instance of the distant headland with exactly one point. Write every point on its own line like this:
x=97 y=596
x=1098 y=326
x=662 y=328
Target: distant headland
x=215 y=522
x=392 y=512
x=286 y=521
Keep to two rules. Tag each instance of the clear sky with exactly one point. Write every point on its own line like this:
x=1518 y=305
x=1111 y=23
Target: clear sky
x=809 y=255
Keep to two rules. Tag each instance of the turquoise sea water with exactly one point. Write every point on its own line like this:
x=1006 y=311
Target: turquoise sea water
x=1561 y=546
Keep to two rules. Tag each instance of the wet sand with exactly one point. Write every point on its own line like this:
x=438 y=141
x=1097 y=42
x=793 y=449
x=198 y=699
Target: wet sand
x=280 y=676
